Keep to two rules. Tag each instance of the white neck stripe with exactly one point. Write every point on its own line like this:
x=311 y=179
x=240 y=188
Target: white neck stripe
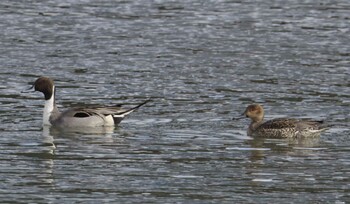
x=48 y=108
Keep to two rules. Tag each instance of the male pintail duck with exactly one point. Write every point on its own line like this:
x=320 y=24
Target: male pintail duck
x=77 y=117
x=280 y=127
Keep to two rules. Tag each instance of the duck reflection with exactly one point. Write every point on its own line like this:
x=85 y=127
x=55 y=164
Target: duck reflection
x=302 y=146
x=60 y=131
x=91 y=136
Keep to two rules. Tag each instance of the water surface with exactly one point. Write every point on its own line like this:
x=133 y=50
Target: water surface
x=202 y=62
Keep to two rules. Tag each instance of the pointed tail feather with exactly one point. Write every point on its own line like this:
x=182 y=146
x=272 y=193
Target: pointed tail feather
x=323 y=127
x=124 y=113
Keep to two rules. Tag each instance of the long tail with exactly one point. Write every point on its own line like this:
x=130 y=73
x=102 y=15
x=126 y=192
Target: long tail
x=124 y=113
x=322 y=126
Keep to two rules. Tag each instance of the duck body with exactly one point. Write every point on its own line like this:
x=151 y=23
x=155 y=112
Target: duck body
x=80 y=116
x=281 y=127
x=286 y=127
x=89 y=117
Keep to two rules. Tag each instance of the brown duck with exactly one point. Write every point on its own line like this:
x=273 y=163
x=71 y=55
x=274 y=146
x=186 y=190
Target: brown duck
x=280 y=127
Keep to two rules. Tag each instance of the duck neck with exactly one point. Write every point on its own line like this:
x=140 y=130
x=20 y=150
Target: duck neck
x=253 y=125
x=49 y=108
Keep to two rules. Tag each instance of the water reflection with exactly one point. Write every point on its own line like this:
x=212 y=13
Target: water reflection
x=48 y=163
x=284 y=144
x=206 y=60
x=30 y=164
x=280 y=144
x=76 y=131
x=87 y=137
x=305 y=146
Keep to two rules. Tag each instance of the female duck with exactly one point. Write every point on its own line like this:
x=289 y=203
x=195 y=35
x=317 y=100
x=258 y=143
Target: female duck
x=280 y=127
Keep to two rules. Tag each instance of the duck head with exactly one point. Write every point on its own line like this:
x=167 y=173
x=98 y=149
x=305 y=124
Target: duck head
x=255 y=112
x=44 y=85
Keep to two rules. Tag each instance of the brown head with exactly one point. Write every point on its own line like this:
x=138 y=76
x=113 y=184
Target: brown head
x=254 y=112
x=44 y=85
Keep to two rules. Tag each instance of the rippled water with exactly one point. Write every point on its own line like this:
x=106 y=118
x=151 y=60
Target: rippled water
x=202 y=62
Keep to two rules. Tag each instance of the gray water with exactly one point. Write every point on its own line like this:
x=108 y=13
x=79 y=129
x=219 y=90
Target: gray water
x=202 y=63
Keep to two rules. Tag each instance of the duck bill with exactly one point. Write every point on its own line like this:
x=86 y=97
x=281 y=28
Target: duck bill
x=239 y=117
x=30 y=90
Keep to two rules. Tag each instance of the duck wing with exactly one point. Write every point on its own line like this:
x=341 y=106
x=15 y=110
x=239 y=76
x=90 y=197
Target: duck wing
x=292 y=123
x=279 y=123
x=115 y=111
x=83 y=112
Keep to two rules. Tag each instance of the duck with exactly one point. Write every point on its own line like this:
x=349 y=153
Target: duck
x=78 y=116
x=281 y=127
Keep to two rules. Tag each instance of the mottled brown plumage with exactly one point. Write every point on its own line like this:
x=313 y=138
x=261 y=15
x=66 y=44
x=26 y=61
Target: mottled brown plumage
x=280 y=127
